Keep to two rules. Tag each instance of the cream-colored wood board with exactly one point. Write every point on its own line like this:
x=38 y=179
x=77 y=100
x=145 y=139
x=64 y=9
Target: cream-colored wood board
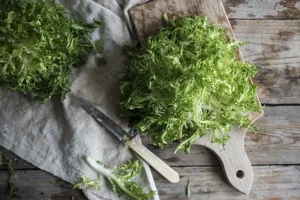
x=147 y=19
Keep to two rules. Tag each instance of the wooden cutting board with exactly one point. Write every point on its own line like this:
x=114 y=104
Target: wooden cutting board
x=147 y=19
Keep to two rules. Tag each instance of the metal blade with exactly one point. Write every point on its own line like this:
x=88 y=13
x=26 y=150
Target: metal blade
x=105 y=121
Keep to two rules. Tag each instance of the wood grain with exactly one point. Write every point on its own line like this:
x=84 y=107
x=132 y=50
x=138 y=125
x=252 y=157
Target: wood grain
x=36 y=185
x=274 y=45
x=275 y=182
x=233 y=158
x=262 y=9
x=270 y=182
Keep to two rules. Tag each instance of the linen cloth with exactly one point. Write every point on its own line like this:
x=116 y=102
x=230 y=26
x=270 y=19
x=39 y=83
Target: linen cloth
x=55 y=136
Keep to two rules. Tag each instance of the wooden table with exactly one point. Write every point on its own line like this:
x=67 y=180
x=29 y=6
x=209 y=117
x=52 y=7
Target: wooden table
x=272 y=29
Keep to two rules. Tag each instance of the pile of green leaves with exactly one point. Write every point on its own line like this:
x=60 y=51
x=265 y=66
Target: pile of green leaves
x=186 y=82
x=38 y=44
x=120 y=177
x=4 y=161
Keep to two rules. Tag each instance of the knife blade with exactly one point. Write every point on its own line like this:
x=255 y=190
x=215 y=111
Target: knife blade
x=130 y=140
x=105 y=121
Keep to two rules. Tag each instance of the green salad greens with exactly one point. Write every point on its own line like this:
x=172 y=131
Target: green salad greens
x=86 y=183
x=186 y=82
x=121 y=178
x=38 y=44
x=4 y=161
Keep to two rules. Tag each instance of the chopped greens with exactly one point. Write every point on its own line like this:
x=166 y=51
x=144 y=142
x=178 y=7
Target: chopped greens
x=38 y=44
x=188 y=190
x=120 y=177
x=87 y=184
x=186 y=82
x=13 y=191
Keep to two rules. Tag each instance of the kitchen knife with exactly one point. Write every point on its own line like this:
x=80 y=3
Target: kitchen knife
x=130 y=140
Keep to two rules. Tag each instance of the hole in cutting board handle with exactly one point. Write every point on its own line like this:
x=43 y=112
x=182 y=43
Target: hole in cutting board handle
x=240 y=174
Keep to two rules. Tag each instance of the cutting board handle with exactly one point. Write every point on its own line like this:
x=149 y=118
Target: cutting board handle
x=235 y=162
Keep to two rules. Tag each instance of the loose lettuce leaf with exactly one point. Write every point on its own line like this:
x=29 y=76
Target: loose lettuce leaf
x=38 y=44
x=186 y=82
x=87 y=184
x=4 y=161
x=122 y=179
x=188 y=190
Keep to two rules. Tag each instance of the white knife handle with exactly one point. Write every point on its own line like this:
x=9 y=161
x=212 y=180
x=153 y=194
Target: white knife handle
x=154 y=161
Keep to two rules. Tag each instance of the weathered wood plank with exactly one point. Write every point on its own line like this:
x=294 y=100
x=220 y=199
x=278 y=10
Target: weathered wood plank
x=38 y=184
x=274 y=45
x=262 y=9
x=270 y=182
x=277 y=142
x=17 y=162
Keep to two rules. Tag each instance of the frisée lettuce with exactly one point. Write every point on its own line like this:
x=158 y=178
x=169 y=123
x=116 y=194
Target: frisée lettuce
x=38 y=44
x=186 y=82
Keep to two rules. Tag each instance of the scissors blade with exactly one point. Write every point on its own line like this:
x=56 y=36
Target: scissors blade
x=105 y=121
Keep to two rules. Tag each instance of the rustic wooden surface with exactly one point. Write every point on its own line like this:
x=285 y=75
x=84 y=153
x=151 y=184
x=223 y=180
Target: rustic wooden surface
x=272 y=29
x=270 y=182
